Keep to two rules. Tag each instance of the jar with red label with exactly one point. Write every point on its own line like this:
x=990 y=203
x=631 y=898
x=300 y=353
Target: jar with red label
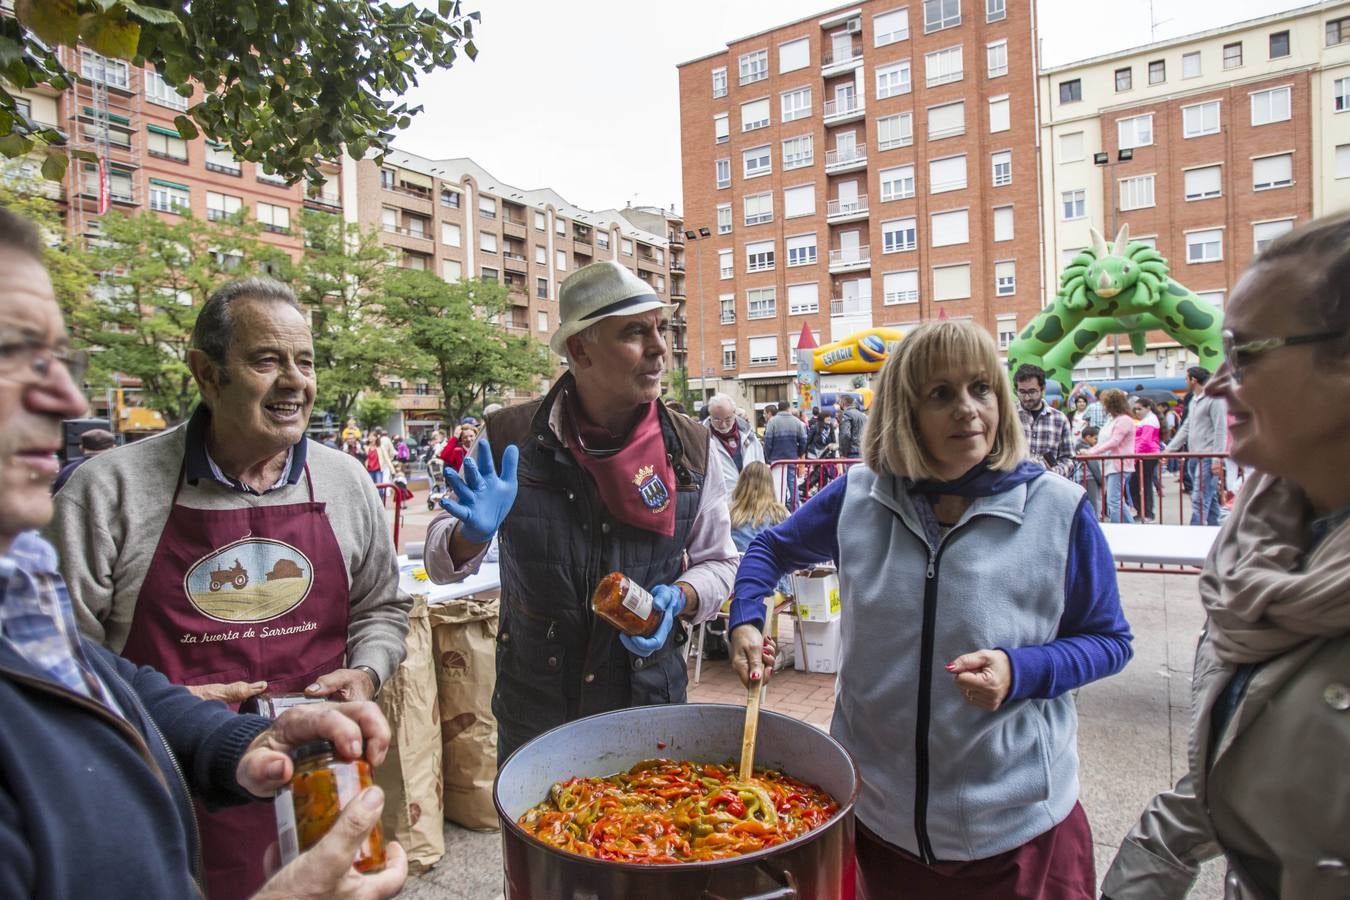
x=626 y=605
x=323 y=784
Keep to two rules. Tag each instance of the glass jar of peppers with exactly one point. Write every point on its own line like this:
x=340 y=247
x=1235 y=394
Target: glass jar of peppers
x=307 y=807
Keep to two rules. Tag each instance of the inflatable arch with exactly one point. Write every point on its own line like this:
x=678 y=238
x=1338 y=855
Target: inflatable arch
x=860 y=352
x=1120 y=288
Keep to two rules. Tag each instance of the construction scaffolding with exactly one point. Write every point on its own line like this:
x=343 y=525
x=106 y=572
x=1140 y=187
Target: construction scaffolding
x=103 y=111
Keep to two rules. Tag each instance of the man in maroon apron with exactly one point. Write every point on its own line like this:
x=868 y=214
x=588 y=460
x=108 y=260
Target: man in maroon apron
x=254 y=592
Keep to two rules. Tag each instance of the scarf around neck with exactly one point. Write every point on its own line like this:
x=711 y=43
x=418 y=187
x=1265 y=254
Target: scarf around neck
x=1264 y=592
x=979 y=481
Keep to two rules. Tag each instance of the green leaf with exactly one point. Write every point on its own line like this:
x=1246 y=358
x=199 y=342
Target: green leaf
x=187 y=130
x=54 y=166
x=445 y=8
x=150 y=15
x=470 y=49
x=113 y=37
x=55 y=21
x=13 y=145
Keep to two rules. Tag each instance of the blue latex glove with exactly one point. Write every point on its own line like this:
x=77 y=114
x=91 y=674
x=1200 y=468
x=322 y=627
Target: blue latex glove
x=670 y=600
x=484 y=497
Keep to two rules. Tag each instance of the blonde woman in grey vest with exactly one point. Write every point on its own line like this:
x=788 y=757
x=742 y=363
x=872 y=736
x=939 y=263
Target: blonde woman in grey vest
x=978 y=591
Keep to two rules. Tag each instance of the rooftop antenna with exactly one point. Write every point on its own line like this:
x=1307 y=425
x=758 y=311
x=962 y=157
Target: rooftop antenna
x=1154 y=22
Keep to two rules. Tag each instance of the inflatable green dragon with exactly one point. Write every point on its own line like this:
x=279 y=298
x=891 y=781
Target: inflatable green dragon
x=1121 y=288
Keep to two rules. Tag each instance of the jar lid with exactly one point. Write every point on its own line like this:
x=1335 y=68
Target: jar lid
x=312 y=749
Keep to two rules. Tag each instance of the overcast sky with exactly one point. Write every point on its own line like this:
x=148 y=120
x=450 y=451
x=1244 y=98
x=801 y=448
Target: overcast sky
x=583 y=96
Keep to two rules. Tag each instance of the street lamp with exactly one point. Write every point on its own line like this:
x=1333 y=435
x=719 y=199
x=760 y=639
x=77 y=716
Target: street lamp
x=1125 y=154
x=692 y=236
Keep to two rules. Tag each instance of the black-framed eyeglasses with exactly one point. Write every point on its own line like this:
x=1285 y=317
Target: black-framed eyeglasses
x=28 y=360
x=1029 y=392
x=1240 y=354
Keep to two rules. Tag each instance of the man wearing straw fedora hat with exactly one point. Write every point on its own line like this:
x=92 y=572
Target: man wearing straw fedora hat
x=595 y=477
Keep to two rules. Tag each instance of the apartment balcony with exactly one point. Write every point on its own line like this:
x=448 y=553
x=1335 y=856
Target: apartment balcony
x=513 y=229
x=838 y=161
x=850 y=260
x=676 y=238
x=840 y=61
x=850 y=109
x=514 y=262
x=324 y=202
x=649 y=264
x=515 y=285
x=410 y=199
x=581 y=235
x=839 y=211
x=676 y=266
x=851 y=306
x=581 y=249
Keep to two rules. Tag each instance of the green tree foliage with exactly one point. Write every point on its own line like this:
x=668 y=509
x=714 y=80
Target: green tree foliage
x=452 y=338
x=155 y=276
x=373 y=409
x=340 y=278
x=284 y=81
x=27 y=194
x=679 y=390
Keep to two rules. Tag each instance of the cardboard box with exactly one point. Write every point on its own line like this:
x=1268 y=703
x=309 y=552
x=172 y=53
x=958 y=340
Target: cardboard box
x=818 y=647
x=817 y=594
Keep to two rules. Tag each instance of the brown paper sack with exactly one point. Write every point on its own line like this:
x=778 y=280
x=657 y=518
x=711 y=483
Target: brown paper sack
x=464 y=640
x=411 y=773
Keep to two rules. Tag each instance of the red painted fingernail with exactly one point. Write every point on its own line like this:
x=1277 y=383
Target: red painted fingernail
x=754 y=676
x=951 y=667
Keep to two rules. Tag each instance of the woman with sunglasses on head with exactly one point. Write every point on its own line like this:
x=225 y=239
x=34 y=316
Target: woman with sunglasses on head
x=1270 y=734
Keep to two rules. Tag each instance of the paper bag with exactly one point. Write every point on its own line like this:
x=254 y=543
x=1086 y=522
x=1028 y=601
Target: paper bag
x=411 y=773
x=464 y=640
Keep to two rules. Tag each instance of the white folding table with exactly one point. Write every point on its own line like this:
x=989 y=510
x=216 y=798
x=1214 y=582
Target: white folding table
x=487 y=578
x=1164 y=545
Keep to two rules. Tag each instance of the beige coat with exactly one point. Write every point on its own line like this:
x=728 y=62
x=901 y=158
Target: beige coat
x=1277 y=793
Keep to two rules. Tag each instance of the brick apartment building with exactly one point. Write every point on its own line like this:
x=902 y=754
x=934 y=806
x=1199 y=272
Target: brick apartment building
x=870 y=166
x=1230 y=137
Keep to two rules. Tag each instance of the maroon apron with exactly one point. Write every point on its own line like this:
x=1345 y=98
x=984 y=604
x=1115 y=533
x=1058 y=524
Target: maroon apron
x=249 y=594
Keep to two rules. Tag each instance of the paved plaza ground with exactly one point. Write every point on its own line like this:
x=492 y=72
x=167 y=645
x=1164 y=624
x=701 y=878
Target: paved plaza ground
x=1132 y=728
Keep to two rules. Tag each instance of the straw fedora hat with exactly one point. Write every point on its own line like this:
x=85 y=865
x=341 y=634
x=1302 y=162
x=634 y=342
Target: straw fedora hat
x=597 y=291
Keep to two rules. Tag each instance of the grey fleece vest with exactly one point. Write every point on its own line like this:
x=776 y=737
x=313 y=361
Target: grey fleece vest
x=556 y=661
x=941 y=778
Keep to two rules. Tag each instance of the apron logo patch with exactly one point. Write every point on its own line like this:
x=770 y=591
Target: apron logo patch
x=652 y=489
x=251 y=580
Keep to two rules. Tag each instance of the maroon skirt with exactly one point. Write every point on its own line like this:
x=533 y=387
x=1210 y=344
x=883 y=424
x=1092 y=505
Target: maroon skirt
x=1057 y=865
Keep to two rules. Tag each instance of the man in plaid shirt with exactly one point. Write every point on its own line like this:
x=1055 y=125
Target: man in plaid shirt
x=1049 y=436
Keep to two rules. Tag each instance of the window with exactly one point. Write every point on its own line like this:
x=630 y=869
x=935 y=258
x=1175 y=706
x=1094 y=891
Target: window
x=1003 y=223
x=949 y=228
x=158 y=91
x=798 y=152
x=758 y=209
x=1232 y=55
x=1071 y=91
x=763 y=351
x=948 y=174
x=487 y=207
x=1073 y=205
x=221 y=159
x=1190 y=65
x=112 y=72
x=726 y=265
x=221 y=206
x=602 y=240
x=274 y=218
x=450 y=234
x=1204 y=246
x=996 y=59
x=540 y=255
x=719 y=80
x=388 y=179
x=452 y=269
x=895 y=131
x=897 y=183
x=1338 y=31
x=1136 y=192
x=625 y=247
x=803 y=298
x=1136 y=131
x=486 y=273
x=728 y=305
x=1343 y=161
x=540 y=222
x=1124 y=79
x=759 y=256
x=729 y=353
x=1007 y=331
x=893 y=80
x=942 y=66
x=999 y=115
x=450 y=198
x=900 y=287
x=165 y=143
x=995 y=10
x=723 y=173
x=947 y=120
x=1071 y=147
x=754 y=66
x=487 y=241
x=721 y=128
x=1203 y=183
x=756 y=161
x=1265 y=232
x=799 y=201
x=541 y=288
x=1005 y=279
x=951 y=282
x=1270 y=106
x=898 y=235
x=389 y=218
x=801 y=250
x=796 y=104
x=939 y=14
x=541 y=320
x=1157 y=71
x=1279 y=44
x=760 y=303
x=1002 y=168
x=724 y=218
x=1340 y=94
x=273 y=178
x=890 y=27
x=1199 y=120
x=1272 y=172
x=794 y=55
x=755 y=114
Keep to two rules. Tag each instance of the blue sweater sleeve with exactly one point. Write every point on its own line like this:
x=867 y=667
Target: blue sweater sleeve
x=808 y=536
x=1094 y=638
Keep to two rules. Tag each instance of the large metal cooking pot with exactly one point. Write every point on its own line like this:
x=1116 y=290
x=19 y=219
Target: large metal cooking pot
x=818 y=865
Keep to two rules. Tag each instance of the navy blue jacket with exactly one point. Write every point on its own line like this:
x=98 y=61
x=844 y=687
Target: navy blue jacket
x=93 y=805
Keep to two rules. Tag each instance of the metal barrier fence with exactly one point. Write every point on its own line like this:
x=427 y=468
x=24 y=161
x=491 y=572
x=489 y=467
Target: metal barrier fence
x=798 y=480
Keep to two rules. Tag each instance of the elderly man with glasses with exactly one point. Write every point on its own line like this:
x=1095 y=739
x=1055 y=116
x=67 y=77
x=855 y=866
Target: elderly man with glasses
x=1048 y=432
x=735 y=443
